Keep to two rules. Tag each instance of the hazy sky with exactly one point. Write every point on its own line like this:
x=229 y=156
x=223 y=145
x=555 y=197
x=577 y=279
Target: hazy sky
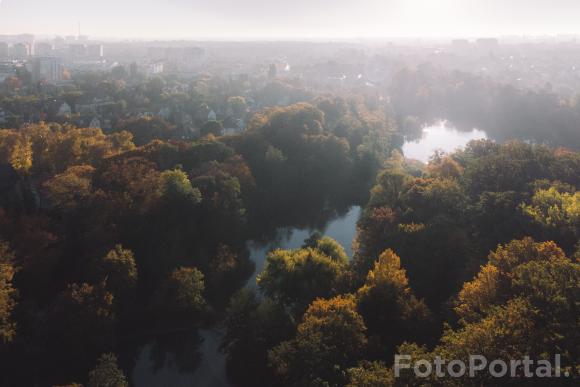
x=271 y=19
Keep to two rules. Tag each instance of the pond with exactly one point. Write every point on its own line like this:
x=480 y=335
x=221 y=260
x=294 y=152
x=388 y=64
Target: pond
x=156 y=368
x=441 y=136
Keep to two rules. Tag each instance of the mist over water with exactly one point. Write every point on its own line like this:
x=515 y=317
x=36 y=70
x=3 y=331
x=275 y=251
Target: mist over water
x=441 y=136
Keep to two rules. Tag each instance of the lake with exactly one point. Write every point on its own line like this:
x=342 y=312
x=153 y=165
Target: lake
x=439 y=136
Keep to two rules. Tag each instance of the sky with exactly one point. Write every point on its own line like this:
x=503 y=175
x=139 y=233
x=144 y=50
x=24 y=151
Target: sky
x=292 y=19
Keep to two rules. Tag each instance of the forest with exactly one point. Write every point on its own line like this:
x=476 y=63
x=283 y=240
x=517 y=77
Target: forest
x=111 y=237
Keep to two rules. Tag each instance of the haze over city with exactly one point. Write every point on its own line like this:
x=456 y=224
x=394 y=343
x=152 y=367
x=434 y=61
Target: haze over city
x=298 y=19
x=300 y=193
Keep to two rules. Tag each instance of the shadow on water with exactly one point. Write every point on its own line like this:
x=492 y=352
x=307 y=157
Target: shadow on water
x=193 y=358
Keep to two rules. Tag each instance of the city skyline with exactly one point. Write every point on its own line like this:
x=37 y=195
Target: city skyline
x=299 y=19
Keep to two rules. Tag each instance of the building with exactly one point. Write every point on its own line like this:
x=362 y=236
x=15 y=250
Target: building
x=77 y=50
x=43 y=49
x=64 y=109
x=7 y=70
x=4 y=51
x=46 y=69
x=460 y=44
x=488 y=44
x=95 y=123
x=95 y=51
x=21 y=50
x=211 y=116
x=153 y=69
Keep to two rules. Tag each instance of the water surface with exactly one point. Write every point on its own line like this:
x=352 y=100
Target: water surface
x=441 y=136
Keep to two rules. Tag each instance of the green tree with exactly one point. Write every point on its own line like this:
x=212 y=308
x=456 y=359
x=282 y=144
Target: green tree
x=553 y=208
x=252 y=327
x=296 y=277
x=212 y=127
x=175 y=185
x=237 y=105
x=107 y=373
x=183 y=291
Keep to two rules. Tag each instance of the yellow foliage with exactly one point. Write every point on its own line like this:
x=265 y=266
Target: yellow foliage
x=387 y=269
x=554 y=208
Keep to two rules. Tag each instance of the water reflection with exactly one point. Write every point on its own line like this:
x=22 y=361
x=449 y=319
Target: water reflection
x=169 y=360
x=342 y=229
x=193 y=358
x=440 y=136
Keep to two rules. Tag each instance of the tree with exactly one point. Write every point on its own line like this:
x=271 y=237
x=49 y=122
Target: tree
x=296 y=277
x=16 y=150
x=212 y=127
x=371 y=374
x=252 y=327
x=237 y=105
x=493 y=285
x=445 y=167
x=147 y=129
x=553 y=208
x=119 y=269
x=175 y=186
x=7 y=294
x=388 y=306
x=71 y=189
x=389 y=187
x=82 y=322
x=107 y=373
x=522 y=303
x=183 y=291
x=329 y=340
x=328 y=246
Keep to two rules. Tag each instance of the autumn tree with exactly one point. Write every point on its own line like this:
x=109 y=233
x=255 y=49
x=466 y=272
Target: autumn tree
x=368 y=374
x=7 y=294
x=388 y=306
x=522 y=303
x=81 y=324
x=72 y=188
x=119 y=269
x=147 y=129
x=329 y=340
